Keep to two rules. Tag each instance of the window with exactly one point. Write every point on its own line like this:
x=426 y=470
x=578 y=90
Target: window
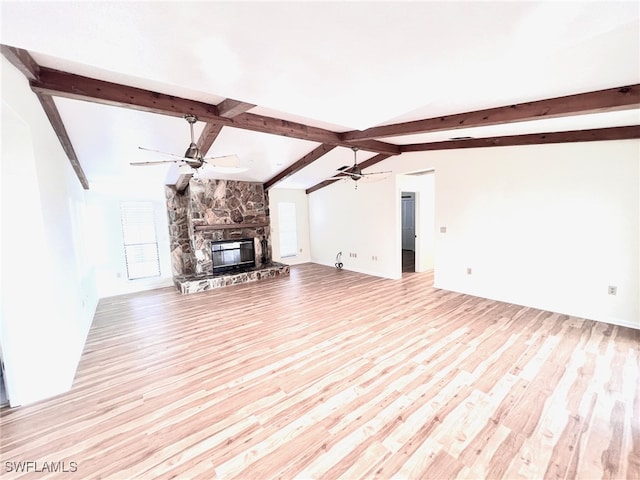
x=140 y=243
x=288 y=230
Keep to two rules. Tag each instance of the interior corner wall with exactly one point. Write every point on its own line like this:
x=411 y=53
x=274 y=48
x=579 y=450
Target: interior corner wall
x=48 y=293
x=299 y=198
x=106 y=245
x=362 y=223
x=545 y=226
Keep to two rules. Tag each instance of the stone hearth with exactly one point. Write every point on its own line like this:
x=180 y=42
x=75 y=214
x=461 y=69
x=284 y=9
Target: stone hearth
x=195 y=284
x=213 y=210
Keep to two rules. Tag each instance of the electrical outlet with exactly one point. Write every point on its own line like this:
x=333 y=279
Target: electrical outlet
x=469 y=271
x=612 y=290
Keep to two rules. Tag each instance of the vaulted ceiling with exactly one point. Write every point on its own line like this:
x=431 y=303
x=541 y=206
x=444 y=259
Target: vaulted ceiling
x=289 y=87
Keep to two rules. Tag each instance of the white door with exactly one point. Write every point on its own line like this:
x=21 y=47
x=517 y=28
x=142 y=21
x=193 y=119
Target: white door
x=408 y=222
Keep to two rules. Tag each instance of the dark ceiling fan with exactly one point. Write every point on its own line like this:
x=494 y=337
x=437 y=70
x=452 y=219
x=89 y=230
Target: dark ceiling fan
x=354 y=172
x=193 y=156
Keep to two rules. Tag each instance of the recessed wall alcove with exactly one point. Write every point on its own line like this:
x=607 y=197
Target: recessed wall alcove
x=209 y=210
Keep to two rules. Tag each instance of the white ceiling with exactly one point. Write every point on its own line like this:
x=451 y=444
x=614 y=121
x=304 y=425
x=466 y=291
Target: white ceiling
x=335 y=65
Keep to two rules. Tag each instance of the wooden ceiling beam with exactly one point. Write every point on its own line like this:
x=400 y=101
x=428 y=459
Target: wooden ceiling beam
x=593 y=135
x=53 y=115
x=373 y=160
x=320 y=185
x=230 y=108
x=67 y=85
x=612 y=99
x=276 y=126
x=308 y=159
x=208 y=136
x=182 y=182
x=24 y=62
x=77 y=87
x=366 y=164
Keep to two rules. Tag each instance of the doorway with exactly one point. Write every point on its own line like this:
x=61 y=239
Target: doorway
x=416 y=221
x=408 y=232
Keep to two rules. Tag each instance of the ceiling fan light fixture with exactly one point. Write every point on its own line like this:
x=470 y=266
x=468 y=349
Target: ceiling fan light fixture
x=192 y=152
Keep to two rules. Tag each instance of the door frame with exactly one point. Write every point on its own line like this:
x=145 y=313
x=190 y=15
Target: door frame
x=416 y=225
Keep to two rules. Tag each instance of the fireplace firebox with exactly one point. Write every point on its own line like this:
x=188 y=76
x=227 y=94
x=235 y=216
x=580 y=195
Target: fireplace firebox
x=233 y=255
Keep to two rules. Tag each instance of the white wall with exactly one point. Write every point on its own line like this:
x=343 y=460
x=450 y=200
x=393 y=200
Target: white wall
x=365 y=222
x=106 y=246
x=48 y=288
x=547 y=226
x=299 y=198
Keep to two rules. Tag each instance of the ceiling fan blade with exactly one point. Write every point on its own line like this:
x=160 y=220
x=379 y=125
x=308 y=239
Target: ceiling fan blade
x=342 y=175
x=157 y=162
x=351 y=174
x=337 y=178
x=224 y=161
x=163 y=153
x=375 y=173
x=372 y=178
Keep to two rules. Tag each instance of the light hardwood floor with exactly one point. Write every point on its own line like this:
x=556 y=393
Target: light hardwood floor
x=333 y=374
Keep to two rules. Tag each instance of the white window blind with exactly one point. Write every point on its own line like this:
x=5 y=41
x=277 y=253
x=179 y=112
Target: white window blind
x=140 y=243
x=288 y=229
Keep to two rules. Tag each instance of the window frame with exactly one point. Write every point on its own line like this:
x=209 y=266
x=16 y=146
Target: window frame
x=140 y=240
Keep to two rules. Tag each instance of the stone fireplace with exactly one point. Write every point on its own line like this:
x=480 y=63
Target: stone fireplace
x=210 y=211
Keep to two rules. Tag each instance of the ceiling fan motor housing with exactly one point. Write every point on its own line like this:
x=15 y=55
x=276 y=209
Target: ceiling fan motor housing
x=192 y=151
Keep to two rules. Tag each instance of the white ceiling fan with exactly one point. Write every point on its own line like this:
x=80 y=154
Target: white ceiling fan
x=193 y=156
x=355 y=173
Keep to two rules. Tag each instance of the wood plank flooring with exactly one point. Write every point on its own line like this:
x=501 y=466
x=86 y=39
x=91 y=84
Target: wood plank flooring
x=332 y=374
